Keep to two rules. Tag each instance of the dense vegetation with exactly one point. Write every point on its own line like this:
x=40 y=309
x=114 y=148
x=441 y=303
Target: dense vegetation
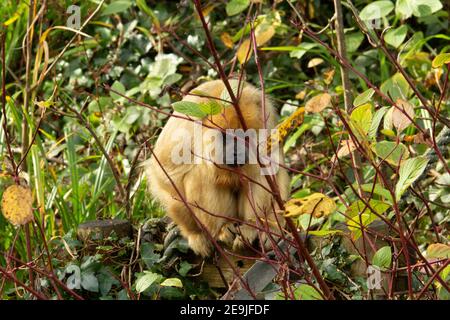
x=87 y=85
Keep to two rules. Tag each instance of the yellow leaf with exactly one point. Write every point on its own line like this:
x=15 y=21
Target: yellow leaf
x=438 y=251
x=314 y=62
x=316 y=204
x=329 y=75
x=17 y=204
x=11 y=20
x=263 y=33
x=318 y=103
x=301 y=95
x=226 y=39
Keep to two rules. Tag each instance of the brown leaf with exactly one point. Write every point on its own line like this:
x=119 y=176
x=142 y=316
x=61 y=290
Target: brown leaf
x=347 y=146
x=399 y=119
x=318 y=103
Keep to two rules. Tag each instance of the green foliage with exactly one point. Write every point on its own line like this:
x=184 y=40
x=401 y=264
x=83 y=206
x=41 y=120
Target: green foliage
x=149 y=52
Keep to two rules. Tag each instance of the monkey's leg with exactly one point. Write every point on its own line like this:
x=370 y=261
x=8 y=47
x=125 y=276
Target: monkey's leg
x=209 y=203
x=257 y=206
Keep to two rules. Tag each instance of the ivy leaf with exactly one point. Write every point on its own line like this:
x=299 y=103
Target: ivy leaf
x=89 y=281
x=395 y=37
x=120 y=88
x=410 y=170
x=188 y=108
x=145 y=280
x=376 y=10
x=116 y=6
x=236 y=6
x=172 y=282
x=383 y=257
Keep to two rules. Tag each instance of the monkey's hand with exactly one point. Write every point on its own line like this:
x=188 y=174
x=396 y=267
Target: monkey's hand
x=174 y=244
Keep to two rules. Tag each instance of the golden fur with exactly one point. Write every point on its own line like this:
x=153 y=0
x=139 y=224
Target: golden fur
x=215 y=188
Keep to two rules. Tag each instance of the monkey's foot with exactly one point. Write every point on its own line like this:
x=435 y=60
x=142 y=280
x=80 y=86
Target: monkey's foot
x=227 y=234
x=200 y=244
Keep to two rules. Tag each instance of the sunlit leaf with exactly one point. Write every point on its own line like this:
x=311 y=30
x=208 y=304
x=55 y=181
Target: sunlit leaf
x=440 y=60
x=17 y=205
x=391 y=152
x=438 y=251
x=318 y=103
x=316 y=204
x=410 y=170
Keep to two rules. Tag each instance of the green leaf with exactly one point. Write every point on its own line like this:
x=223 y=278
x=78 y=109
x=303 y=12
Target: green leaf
x=119 y=87
x=172 y=282
x=378 y=190
x=300 y=50
x=376 y=120
x=145 y=280
x=184 y=268
x=396 y=87
x=420 y=8
x=353 y=41
x=303 y=292
x=323 y=233
x=362 y=116
x=383 y=257
x=211 y=107
x=363 y=97
x=440 y=60
x=376 y=10
x=236 y=6
x=410 y=170
x=391 y=152
x=188 y=108
x=89 y=281
x=395 y=37
x=116 y=6
x=404 y=8
x=359 y=211
x=423 y=8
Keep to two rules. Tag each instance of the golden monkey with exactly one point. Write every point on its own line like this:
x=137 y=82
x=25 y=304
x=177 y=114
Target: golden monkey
x=215 y=192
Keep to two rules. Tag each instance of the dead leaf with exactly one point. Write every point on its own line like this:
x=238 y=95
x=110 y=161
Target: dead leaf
x=399 y=119
x=347 y=146
x=329 y=75
x=17 y=204
x=301 y=95
x=318 y=103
